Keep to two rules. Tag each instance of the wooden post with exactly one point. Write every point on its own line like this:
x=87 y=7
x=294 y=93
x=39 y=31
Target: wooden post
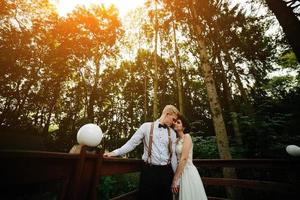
x=96 y=175
x=75 y=185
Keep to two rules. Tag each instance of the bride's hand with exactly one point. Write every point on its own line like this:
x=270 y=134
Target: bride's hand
x=175 y=187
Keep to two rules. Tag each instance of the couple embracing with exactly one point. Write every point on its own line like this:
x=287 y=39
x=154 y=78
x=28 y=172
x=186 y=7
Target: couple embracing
x=168 y=160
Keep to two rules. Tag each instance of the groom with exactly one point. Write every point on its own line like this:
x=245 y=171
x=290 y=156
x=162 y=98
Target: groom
x=159 y=156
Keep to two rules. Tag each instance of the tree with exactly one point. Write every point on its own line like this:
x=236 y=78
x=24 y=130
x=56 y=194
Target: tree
x=288 y=20
x=178 y=70
x=155 y=79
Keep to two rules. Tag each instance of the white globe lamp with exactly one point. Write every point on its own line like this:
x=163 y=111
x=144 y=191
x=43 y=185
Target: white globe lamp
x=89 y=135
x=293 y=150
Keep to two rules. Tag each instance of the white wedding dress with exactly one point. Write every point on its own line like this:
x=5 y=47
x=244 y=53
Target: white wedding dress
x=191 y=186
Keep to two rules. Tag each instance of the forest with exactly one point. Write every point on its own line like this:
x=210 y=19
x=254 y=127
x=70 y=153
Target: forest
x=231 y=67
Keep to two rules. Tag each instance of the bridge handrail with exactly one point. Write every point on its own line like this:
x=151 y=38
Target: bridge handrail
x=80 y=173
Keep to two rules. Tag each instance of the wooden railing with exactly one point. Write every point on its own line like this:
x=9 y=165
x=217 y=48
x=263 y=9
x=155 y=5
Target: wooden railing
x=77 y=175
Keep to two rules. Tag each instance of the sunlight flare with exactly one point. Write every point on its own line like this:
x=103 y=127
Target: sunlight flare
x=124 y=6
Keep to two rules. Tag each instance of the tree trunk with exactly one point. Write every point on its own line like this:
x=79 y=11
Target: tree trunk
x=244 y=95
x=155 y=81
x=289 y=23
x=219 y=125
x=215 y=107
x=145 y=97
x=178 y=71
x=130 y=108
x=51 y=108
x=231 y=109
x=232 y=67
x=93 y=95
x=6 y=109
x=188 y=91
x=46 y=127
x=214 y=103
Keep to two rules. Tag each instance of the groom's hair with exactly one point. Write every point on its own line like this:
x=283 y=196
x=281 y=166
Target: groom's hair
x=170 y=109
x=185 y=123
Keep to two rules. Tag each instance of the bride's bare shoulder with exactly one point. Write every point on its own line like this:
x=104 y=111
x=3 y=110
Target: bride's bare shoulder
x=187 y=136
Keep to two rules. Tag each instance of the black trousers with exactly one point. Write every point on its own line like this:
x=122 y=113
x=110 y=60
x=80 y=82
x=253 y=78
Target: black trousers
x=155 y=182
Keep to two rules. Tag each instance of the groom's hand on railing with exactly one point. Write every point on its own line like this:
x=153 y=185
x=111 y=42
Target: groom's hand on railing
x=109 y=154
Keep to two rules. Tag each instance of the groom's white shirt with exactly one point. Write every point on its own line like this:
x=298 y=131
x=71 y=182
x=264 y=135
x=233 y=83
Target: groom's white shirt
x=160 y=150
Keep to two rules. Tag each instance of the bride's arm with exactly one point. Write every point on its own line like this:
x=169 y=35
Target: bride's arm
x=187 y=144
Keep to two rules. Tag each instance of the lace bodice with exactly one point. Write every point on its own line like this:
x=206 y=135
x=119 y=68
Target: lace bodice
x=179 y=147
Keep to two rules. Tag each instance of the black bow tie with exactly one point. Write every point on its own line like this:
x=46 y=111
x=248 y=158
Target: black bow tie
x=162 y=126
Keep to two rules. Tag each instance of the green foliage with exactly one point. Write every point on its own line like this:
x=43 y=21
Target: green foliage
x=260 y=134
x=280 y=86
x=205 y=148
x=288 y=59
x=67 y=71
x=275 y=125
x=112 y=186
x=107 y=185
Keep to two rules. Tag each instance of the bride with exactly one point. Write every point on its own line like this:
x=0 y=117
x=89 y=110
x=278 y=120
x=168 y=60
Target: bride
x=186 y=175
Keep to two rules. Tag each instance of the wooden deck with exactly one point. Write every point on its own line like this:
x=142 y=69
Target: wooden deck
x=78 y=175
